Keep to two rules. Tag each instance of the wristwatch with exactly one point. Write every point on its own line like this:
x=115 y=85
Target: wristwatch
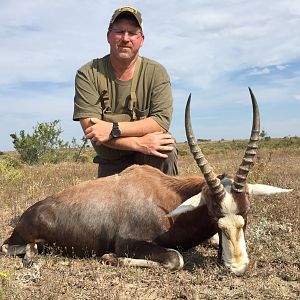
x=115 y=132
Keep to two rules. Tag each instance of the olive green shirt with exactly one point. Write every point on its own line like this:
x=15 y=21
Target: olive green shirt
x=153 y=92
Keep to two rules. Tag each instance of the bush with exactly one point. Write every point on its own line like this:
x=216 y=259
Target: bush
x=43 y=145
x=10 y=169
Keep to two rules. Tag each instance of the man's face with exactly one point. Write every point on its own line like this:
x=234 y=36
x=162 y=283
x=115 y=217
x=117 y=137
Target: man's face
x=125 y=39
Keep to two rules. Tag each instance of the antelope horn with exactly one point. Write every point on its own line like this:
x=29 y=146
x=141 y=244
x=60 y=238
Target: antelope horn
x=211 y=178
x=248 y=159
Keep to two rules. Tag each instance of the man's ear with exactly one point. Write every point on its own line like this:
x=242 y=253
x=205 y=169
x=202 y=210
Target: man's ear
x=107 y=38
x=142 y=43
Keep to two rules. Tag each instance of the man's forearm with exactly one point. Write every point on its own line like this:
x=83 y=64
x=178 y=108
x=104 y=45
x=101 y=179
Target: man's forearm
x=136 y=128
x=155 y=143
x=123 y=143
x=140 y=127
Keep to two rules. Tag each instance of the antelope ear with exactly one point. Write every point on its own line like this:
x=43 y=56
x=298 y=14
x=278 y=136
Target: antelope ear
x=188 y=205
x=263 y=189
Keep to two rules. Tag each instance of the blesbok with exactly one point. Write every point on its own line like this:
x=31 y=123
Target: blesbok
x=141 y=217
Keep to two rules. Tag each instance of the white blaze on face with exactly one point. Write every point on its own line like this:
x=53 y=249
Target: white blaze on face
x=234 y=252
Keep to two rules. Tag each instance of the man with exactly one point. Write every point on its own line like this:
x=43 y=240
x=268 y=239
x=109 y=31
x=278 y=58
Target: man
x=124 y=102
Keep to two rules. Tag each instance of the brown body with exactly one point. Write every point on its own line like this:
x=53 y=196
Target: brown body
x=118 y=214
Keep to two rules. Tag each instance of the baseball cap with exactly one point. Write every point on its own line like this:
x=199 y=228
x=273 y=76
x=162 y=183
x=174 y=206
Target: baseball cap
x=128 y=10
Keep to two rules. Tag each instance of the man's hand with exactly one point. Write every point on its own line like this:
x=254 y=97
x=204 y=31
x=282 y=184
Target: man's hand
x=99 y=131
x=155 y=144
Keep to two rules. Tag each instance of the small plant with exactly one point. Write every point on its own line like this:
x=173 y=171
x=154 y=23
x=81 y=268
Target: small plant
x=3 y=283
x=263 y=134
x=42 y=145
x=10 y=169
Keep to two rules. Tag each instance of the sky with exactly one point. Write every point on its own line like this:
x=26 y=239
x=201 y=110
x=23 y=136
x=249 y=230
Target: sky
x=212 y=49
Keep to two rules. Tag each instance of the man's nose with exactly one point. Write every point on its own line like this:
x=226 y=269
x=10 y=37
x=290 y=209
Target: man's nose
x=126 y=36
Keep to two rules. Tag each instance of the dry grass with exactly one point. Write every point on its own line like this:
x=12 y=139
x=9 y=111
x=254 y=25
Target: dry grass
x=273 y=241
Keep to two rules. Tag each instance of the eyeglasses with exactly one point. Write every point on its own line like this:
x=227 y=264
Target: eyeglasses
x=131 y=34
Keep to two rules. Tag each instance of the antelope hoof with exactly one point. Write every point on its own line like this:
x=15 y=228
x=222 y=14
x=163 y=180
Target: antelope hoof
x=110 y=259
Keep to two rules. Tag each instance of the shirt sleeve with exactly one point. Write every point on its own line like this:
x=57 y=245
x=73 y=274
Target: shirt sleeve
x=87 y=98
x=161 y=107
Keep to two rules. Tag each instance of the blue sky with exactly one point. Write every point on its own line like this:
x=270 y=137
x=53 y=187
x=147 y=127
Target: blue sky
x=213 y=49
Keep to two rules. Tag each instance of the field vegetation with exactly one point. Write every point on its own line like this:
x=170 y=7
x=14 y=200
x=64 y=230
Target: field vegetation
x=272 y=234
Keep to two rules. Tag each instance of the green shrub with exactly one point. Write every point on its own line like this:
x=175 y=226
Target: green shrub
x=43 y=145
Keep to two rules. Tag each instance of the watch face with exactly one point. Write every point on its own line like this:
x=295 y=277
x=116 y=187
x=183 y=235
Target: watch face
x=116 y=132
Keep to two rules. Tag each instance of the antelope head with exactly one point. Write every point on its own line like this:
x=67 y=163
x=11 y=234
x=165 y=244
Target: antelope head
x=226 y=197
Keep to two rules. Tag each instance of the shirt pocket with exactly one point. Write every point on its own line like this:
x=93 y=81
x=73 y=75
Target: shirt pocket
x=141 y=114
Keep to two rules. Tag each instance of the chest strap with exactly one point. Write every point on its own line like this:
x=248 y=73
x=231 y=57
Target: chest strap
x=104 y=96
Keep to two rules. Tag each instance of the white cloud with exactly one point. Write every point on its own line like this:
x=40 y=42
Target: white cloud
x=210 y=48
x=259 y=71
x=281 y=67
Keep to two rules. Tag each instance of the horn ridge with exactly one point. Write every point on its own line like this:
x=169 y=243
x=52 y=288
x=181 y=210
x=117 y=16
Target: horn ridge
x=211 y=178
x=248 y=159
